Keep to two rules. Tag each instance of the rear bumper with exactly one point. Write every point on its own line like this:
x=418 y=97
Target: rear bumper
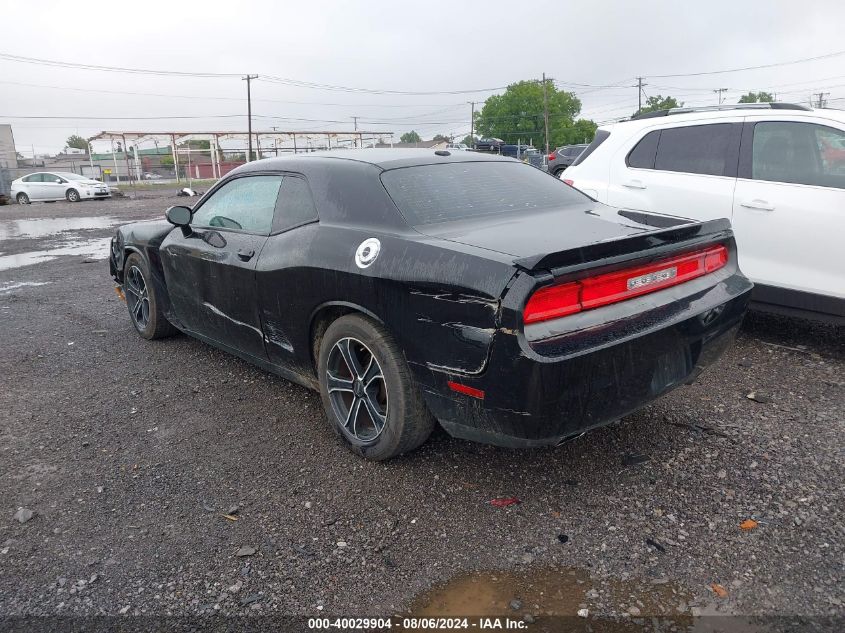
x=542 y=392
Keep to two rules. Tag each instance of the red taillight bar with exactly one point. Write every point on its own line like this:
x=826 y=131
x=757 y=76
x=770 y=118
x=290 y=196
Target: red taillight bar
x=559 y=300
x=466 y=389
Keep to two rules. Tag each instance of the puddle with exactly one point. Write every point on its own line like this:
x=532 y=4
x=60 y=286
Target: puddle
x=554 y=597
x=96 y=249
x=45 y=227
x=9 y=286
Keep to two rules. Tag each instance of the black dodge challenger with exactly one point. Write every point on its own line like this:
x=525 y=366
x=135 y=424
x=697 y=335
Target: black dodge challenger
x=415 y=286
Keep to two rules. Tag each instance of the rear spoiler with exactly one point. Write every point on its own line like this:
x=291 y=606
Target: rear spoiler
x=656 y=243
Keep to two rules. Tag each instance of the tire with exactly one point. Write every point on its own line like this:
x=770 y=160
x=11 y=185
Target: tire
x=387 y=392
x=559 y=171
x=22 y=198
x=148 y=317
x=72 y=195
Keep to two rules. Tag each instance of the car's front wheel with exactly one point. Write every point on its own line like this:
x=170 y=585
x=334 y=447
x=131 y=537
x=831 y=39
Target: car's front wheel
x=368 y=392
x=144 y=307
x=22 y=198
x=72 y=195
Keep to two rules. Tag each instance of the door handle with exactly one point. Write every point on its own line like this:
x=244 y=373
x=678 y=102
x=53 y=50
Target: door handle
x=245 y=254
x=758 y=204
x=634 y=184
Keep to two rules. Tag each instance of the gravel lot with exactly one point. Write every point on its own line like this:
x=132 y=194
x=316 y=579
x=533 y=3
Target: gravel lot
x=130 y=453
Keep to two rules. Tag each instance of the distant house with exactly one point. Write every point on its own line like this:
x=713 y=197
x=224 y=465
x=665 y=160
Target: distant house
x=421 y=144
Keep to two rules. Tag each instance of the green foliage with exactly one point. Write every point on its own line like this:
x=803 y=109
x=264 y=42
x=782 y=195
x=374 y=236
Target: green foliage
x=410 y=137
x=441 y=137
x=166 y=161
x=756 y=97
x=469 y=140
x=581 y=131
x=196 y=144
x=659 y=102
x=77 y=142
x=517 y=114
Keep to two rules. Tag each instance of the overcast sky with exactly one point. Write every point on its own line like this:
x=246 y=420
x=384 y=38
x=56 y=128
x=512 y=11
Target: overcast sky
x=425 y=46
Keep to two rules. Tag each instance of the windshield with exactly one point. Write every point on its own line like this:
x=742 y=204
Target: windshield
x=69 y=176
x=427 y=194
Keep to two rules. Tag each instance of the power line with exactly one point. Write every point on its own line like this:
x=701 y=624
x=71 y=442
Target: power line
x=115 y=69
x=267 y=78
x=316 y=86
x=736 y=70
x=238 y=99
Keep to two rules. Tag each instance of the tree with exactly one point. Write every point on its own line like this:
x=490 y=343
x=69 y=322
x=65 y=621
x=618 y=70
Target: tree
x=658 y=102
x=441 y=138
x=517 y=114
x=410 y=137
x=581 y=131
x=77 y=142
x=469 y=141
x=757 y=97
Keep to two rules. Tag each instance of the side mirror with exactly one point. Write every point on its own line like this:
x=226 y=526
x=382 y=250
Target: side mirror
x=180 y=216
x=59 y=181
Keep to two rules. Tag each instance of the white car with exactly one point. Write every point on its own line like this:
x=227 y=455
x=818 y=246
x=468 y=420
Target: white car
x=777 y=171
x=459 y=147
x=50 y=186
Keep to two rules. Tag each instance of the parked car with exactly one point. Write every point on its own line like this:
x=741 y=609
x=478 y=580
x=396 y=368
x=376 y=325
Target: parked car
x=489 y=144
x=458 y=147
x=513 y=150
x=151 y=176
x=50 y=186
x=563 y=157
x=410 y=286
x=769 y=168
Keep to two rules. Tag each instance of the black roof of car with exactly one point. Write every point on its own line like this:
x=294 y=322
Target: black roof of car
x=382 y=158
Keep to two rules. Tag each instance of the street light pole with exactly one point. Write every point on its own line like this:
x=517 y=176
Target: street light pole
x=248 y=79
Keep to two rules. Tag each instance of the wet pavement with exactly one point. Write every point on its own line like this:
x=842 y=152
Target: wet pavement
x=130 y=454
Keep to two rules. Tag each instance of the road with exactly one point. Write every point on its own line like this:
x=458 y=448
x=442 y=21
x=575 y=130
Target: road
x=131 y=454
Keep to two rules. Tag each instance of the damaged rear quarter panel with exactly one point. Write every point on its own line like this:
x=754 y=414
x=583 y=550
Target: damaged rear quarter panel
x=440 y=304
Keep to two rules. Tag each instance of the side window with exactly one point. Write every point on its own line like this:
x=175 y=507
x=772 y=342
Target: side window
x=644 y=152
x=33 y=178
x=600 y=137
x=245 y=204
x=295 y=205
x=697 y=149
x=801 y=153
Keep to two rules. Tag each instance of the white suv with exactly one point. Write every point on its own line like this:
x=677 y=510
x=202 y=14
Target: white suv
x=776 y=170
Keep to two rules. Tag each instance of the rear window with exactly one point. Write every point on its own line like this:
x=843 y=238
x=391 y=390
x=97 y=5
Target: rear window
x=428 y=194
x=601 y=137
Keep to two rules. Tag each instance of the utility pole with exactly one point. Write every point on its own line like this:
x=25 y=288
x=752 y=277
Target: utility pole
x=355 y=121
x=248 y=79
x=821 y=96
x=472 y=123
x=720 y=91
x=545 y=112
x=640 y=85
